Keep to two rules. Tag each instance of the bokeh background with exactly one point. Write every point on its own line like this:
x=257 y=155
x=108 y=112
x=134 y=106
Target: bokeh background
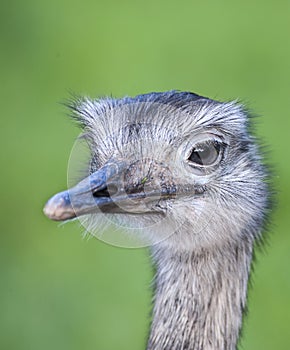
x=57 y=290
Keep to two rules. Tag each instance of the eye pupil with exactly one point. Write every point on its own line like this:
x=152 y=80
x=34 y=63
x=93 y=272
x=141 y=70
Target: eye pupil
x=205 y=153
x=195 y=157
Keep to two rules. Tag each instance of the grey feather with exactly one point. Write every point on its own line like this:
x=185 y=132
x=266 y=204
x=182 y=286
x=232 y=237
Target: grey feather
x=213 y=220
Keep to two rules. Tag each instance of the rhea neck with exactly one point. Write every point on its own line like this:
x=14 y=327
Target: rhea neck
x=200 y=298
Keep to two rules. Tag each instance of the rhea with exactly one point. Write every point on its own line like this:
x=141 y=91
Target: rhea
x=186 y=172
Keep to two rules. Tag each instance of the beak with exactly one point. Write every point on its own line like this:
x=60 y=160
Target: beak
x=104 y=190
x=87 y=196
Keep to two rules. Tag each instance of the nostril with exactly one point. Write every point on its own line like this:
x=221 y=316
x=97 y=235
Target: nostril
x=102 y=193
x=108 y=191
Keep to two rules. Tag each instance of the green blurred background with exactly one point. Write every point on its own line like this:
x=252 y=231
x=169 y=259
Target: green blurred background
x=59 y=291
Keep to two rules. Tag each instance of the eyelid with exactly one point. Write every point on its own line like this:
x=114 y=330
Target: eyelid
x=207 y=142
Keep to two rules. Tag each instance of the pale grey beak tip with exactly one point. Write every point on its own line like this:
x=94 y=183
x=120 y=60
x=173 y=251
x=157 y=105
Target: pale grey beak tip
x=59 y=208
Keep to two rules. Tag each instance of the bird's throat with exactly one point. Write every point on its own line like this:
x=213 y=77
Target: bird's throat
x=200 y=298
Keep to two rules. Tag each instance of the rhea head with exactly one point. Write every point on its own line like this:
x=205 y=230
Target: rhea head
x=180 y=167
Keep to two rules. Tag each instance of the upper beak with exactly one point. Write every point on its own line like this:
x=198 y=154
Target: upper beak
x=103 y=190
x=87 y=196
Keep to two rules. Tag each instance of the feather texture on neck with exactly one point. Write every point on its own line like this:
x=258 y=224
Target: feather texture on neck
x=200 y=298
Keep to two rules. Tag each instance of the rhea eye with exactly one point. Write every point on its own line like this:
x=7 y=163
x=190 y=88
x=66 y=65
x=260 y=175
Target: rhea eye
x=205 y=153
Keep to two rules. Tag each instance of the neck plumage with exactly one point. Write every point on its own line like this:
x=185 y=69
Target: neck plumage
x=200 y=298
